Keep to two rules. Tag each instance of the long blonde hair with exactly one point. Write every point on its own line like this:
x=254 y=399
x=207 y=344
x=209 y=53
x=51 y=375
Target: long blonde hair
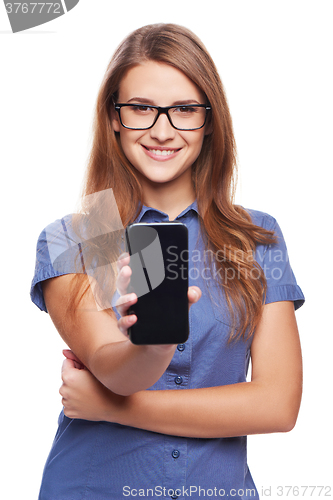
x=227 y=228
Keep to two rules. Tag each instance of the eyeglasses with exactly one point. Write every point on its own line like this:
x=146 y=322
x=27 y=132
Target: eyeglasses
x=144 y=117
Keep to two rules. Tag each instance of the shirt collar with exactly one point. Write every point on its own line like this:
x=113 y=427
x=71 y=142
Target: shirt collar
x=193 y=206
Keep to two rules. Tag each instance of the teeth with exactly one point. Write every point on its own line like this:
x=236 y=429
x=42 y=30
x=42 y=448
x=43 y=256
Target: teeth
x=164 y=152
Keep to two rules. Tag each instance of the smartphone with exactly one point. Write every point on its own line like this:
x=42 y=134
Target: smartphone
x=159 y=262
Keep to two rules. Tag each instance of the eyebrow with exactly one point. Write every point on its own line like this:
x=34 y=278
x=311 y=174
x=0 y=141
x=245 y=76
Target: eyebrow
x=143 y=100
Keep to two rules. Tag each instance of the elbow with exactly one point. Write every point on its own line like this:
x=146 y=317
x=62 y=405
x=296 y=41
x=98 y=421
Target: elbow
x=279 y=406
x=120 y=388
x=277 y=419
x=287 y=422
x=124 y=388
x=289 y=409
x=123 y=391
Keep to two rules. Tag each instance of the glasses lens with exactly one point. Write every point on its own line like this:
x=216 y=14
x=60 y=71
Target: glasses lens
x=187 y=117
x=138 y=116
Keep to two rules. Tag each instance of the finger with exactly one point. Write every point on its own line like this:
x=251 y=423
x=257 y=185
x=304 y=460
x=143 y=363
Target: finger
x=62 y=391
x=70 y=355
x=123 y=279
x=123 y=260
x=126 y=322
x=193 y=295
x=125 y=302
x=66 y=365
x=79 y=366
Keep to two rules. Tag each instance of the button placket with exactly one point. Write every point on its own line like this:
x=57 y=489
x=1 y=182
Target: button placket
x=178 y=372
x=175 y=462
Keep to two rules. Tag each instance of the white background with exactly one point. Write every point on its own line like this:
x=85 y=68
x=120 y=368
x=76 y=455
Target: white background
x=275 y=59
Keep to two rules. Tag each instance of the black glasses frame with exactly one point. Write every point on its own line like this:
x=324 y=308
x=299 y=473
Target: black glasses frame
x=162 y=111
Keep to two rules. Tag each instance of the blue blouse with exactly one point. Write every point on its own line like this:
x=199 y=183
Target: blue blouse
x=104 y=461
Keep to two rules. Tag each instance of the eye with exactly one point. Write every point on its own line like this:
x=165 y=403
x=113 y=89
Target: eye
x=141 y=108
x=186 y=110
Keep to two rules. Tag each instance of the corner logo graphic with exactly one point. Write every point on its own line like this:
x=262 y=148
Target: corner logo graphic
x=25 y=15
x=96 y=222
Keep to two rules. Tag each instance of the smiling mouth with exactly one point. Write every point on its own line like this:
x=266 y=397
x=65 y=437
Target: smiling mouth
x=162 y=152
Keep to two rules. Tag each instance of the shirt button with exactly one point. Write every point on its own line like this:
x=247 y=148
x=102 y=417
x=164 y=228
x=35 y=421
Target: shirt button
x=174 y=496
x=178 y=380
x=175 y=453
x=181 y=347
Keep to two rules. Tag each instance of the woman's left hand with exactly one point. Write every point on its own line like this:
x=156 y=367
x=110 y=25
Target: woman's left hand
x=83 y=396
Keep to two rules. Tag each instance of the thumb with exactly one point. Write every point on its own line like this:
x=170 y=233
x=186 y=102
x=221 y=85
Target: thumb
x=193 y=294
x=67 y=365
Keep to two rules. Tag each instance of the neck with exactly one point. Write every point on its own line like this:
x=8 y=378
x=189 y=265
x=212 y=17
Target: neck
x=171 y=199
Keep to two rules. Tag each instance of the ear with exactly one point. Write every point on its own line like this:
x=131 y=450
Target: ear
x=115 y=120
x=208 y=126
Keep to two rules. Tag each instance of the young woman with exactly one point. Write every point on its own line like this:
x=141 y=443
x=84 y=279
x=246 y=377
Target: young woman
x=164 y=420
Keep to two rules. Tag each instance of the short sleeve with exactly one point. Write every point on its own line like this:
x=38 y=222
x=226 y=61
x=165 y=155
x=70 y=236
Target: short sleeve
x=57 y=253
x=274 y=260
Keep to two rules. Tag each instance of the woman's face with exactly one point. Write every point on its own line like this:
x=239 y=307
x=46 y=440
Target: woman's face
x=160 y=84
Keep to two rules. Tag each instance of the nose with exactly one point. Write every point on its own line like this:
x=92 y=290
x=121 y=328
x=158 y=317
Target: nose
x=162 y=130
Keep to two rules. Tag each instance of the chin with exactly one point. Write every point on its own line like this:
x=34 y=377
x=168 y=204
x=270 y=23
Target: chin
x=160 y=181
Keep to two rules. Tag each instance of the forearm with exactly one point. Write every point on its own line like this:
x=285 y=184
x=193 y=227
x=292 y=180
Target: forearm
x=96 y=340
x=125 y=368
x=269 y=403
x=226 y=411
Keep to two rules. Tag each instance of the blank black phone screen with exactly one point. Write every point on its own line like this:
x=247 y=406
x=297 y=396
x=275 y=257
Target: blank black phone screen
x=159 y=263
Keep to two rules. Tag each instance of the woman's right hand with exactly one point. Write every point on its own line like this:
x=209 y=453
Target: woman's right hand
x=126 y=300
